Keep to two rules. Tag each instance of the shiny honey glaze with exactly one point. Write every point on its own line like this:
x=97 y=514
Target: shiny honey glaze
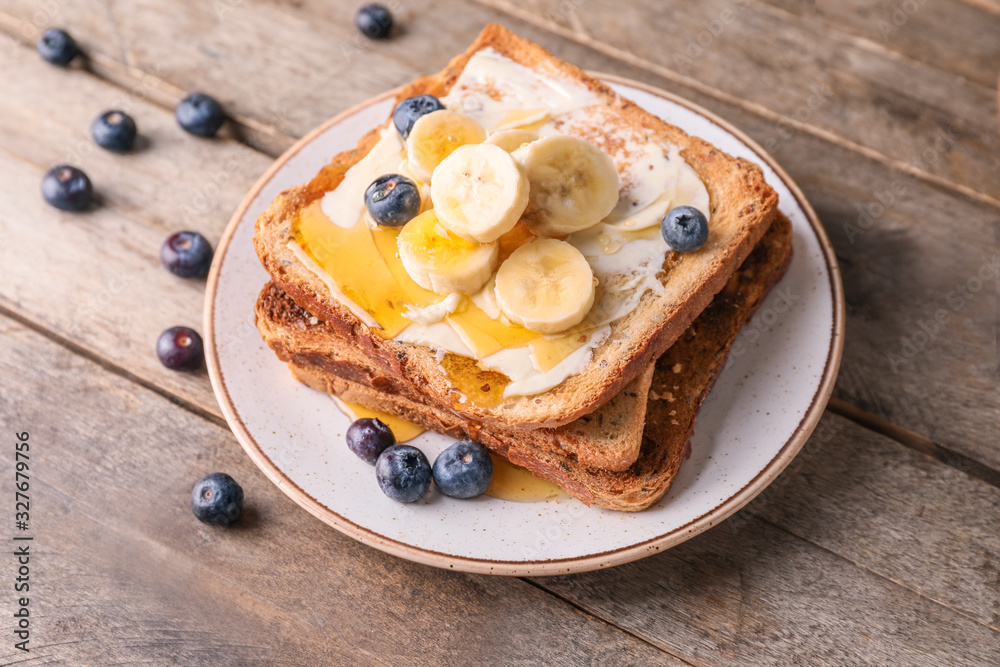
x=364 y=263
x=402 y=429
x=510 y=482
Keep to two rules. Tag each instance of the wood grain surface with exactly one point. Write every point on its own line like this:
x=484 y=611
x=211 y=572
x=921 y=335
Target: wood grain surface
x=866 y=551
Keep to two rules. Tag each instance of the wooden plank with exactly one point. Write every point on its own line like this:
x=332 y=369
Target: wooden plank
x=774 y=63
x=767 y=597
x=126 y=573
x=96 y=278
x=947 y=34
x=893 y=511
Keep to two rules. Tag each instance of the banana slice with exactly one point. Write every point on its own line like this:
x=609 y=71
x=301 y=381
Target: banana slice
x=442 y=262
x=479 y=192
x=573 y=183
x=435 y=136
x=511 y=140
x=546 y=286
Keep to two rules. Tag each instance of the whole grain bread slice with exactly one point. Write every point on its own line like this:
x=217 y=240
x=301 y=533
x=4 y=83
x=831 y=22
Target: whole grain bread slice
x=681 y=380
x=609 y=438
x=742 y=206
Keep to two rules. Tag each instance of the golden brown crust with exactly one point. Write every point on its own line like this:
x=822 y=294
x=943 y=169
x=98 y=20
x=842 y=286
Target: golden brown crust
x=742 y=207
x=682 y=379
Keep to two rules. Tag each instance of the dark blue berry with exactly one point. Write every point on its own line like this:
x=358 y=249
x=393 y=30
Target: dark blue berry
x=374 y=21
x=57 y=47
x=392 y=200
x=186 y=254
x=368 y=438
x=180 y=349
x=403 y=473
x=200 y=115
x=217 y=499
x=67 y=188
x=409 y=110
x=685 y=228
x=464 y=470
x=114 y=130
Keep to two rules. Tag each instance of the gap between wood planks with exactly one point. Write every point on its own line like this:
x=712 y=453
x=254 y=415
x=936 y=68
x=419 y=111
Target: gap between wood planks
x=750 y=107
x=270 y=141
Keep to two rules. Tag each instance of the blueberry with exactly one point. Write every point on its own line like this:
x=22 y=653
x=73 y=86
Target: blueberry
x=368 y=438
x=114 y=130
x=685 y=228
x=217 y=499
x=180 y=349
x=464 y=470
x=374 y=21
x=200 y=115
x=67 y=188
x=57 y=47
x=409 y=110
x=186 y=254
x=392 y=200
x=403 y=473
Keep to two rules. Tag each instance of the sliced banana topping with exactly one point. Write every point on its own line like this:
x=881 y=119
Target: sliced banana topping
x=435 y=136
x=573 y=184
x=479 y=192
x=546 y=286
x=439 y=261
x=511 y=140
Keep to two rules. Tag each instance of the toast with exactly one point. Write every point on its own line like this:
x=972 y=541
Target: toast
x=319 y=357
x=741 y=205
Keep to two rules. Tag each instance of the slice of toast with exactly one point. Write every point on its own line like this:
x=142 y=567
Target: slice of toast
x=741 y=206
x=682 y=379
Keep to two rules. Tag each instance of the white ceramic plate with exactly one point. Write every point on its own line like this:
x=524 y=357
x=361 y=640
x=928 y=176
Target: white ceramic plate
x=763 y=407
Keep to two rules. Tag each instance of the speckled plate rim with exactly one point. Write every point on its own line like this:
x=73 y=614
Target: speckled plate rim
x=586 y=562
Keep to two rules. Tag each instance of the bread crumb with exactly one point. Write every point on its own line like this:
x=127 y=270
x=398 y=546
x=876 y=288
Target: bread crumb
x=678 y=368
x=314 y=320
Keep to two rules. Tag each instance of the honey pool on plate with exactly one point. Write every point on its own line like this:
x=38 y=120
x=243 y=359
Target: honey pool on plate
x=510 y=482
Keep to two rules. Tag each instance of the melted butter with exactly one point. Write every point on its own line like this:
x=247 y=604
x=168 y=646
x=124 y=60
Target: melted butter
x=363 y=264
x=403 y=430
x=511 y=482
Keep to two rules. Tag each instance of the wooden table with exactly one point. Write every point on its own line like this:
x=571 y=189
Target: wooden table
x=879 y=545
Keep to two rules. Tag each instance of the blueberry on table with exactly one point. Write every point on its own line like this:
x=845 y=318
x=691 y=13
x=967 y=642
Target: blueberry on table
x=403 y=473
x=57 y=47
x=368 y=438
x=374 y=21
x=114 y=131
x=180 y=349
x=684 y=228
x=186 y=254
x=67 y=188
x=200 y=115
x=392 y=200
x=411 y=109
x=464 y=470
x=217 y=499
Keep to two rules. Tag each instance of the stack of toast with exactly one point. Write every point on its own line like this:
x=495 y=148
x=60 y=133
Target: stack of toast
x=613 y=434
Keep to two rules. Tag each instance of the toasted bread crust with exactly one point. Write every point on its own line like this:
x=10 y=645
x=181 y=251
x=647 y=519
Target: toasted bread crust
x=682 y=379
x=742 y=207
